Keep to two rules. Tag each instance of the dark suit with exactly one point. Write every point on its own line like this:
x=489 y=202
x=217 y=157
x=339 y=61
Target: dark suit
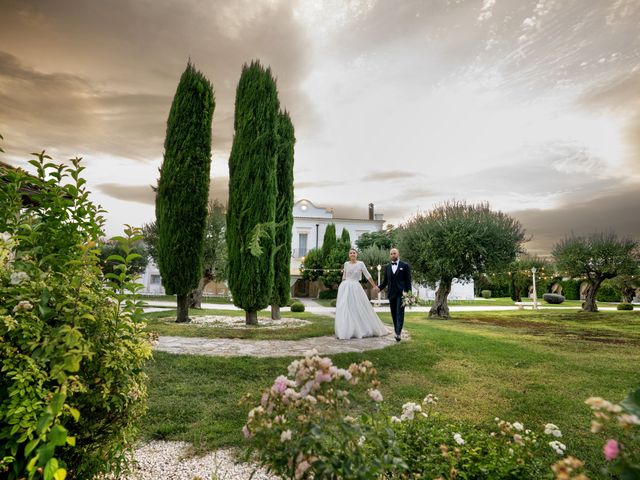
x=396 y=284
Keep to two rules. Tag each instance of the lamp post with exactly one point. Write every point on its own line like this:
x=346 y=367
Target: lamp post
x=317 y=227
x=535 y=295
x=379 y=293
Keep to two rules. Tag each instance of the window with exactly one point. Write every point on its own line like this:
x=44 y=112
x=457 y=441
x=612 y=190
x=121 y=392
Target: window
x=155 y=279
x=302 y=244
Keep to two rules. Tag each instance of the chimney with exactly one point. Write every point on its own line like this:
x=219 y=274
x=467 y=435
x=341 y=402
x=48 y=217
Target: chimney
x=371 y=211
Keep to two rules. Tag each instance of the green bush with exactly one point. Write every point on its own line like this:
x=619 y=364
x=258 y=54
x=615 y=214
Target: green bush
x=553 y=298
x=328 y=294
x=571 y=289
x=624 y=306
x=73 y=348
x=333 y=302
x=608 y=293
x=292 y=301
x=486 y=293
x=297 y=307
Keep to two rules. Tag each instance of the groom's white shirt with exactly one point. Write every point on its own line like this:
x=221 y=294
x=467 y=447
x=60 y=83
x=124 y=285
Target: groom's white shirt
x=394 y=267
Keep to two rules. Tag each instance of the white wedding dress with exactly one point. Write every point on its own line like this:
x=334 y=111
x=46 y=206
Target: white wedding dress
x=355 y=317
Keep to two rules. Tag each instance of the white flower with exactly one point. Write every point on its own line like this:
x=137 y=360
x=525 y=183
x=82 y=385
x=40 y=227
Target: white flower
x=23 y=305
x=311 y=353
x=628 y=419
x=511 y=452
x=518 y=426
x=293 y=367
x=430 y=399
x=5 y=237
x=518 y=439
x=375 y=395
x=551 y=429
x=395 y=419
x=286 y=435
x=361 y=441
x=18 y=277
x=558 y=447
x=409 y=411
x=458 y=438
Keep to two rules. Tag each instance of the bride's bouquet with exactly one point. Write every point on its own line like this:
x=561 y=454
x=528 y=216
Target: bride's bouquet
x=409 y=299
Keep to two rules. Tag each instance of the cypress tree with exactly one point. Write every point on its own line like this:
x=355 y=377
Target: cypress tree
x=284 y=215
x=183 y=187
x=252 y=190
x=345 y=237
x=329 y=240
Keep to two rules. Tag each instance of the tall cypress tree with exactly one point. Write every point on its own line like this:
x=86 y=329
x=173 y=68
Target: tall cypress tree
x=252 y=190
x=345 y=237
x=329 y=241
x=284 y=215
x=183 y=187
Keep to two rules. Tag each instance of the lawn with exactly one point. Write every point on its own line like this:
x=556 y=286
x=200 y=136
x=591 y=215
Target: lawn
x=535 y=367
x=163 y=323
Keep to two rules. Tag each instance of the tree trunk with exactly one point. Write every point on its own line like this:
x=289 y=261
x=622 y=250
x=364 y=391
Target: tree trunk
x=515 y=291
x=589 y=304
x=251 y=318
x=183 y=309
x=275 y=312
x=628 y=294
x=195 y=297
x=440 y=309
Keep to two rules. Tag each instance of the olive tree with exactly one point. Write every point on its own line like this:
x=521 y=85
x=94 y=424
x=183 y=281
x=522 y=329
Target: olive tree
x=597 y=257
x=457 y=240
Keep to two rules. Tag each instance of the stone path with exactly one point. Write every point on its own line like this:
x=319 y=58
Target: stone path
x=230 y=347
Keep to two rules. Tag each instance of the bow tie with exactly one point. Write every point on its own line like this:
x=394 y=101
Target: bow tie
x=394 y=263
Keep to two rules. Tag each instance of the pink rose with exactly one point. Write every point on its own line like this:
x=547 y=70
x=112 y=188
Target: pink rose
x=281 y=384
x=611 y=449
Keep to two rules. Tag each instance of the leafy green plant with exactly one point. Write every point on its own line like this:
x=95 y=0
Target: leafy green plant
x=72 y=348
x=624 y=306
x=328 y=294
x=297 y=307
x=486 y=294
x=608 y=293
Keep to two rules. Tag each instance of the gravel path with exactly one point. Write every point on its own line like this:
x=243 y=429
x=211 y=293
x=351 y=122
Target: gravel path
x=171 y=461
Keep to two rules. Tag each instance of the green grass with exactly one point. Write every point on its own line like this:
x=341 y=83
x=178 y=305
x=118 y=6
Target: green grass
x=535 y=367
x=163 y=323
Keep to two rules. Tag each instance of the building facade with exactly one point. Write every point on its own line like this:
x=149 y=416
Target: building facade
x=310 y=223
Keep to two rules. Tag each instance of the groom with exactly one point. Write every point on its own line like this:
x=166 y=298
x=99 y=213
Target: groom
x=397 y=276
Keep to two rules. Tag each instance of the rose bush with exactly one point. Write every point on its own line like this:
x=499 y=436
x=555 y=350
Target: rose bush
x=307 y=426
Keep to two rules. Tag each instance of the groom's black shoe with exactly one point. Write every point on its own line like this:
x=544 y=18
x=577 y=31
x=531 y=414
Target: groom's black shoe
x=397 y=338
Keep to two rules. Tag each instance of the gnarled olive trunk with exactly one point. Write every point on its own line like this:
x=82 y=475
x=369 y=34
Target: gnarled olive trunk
x=589 y=304
x=440 y=309
x=195 y=297
x=251 y=318
x=275 y=312
x=183 y=309
x=628 y=294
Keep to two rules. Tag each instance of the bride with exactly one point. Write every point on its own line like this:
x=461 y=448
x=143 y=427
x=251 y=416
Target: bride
x=355 y=317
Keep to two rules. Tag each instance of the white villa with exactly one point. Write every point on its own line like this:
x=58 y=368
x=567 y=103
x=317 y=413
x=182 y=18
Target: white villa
x=310 y=223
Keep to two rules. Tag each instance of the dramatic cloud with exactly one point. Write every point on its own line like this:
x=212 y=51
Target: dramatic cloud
x=532 y=106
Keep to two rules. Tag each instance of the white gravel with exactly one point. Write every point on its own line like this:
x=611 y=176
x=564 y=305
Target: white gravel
x=172 y=461
x=239 y=322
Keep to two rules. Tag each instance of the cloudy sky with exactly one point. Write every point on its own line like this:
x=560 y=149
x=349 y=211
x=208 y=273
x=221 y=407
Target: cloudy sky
x=533 y=106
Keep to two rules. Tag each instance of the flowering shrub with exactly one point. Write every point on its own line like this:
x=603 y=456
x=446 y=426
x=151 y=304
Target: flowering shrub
x=304 y=427
x=71 y=345
x=621 y=453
